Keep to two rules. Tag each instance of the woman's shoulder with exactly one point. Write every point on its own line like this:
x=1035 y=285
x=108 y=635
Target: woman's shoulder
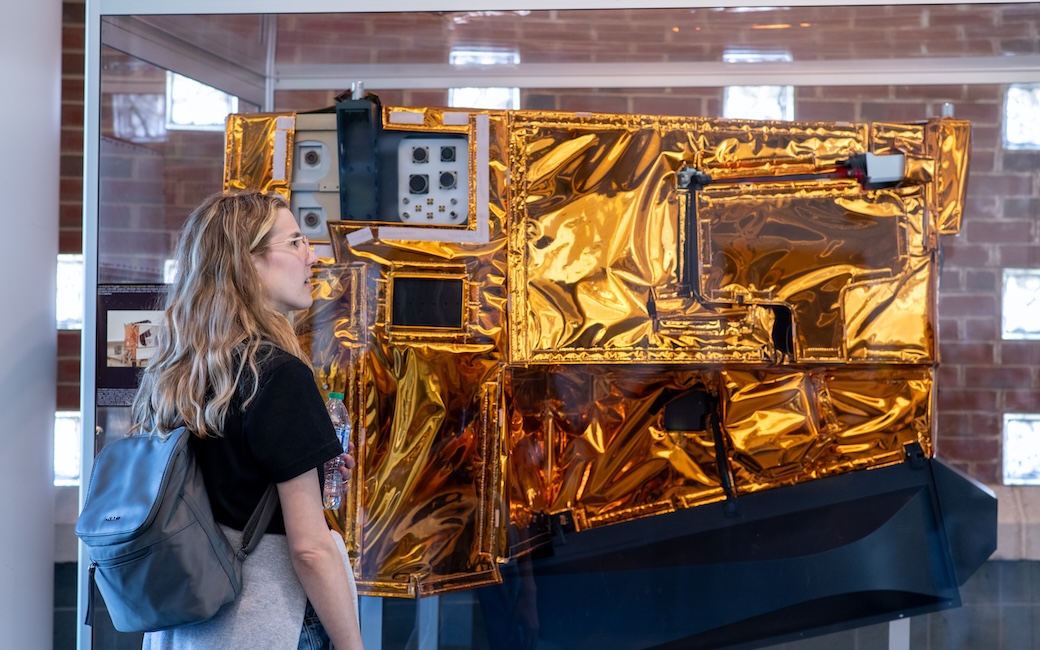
x=272 y=360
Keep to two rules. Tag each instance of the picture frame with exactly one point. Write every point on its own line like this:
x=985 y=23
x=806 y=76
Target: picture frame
x=128 y=327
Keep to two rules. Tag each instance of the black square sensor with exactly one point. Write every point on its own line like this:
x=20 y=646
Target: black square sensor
x=427 y=302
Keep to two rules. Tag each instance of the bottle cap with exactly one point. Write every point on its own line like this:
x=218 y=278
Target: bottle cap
x=335 y=395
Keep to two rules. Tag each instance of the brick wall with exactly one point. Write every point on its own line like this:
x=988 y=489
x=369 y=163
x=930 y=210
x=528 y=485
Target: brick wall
x=649 y=35
x=150 y=187
x=70 y=200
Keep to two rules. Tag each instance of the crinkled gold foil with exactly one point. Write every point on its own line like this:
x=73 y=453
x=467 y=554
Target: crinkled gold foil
x=949 y=142
x=258 y=152
x=797 y=303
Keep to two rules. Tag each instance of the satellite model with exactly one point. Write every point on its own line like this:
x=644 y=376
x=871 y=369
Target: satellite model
x=682 y=368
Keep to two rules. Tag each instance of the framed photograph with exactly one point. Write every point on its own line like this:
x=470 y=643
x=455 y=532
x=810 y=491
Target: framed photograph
x=129 y=318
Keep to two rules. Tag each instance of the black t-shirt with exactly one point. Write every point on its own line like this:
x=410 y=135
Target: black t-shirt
x=284 y=432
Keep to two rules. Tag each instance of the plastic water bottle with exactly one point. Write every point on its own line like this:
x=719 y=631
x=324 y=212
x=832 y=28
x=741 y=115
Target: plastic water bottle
x=333 y=494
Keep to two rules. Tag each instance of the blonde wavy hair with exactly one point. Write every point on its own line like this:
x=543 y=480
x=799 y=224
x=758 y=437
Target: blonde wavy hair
x=216 y=319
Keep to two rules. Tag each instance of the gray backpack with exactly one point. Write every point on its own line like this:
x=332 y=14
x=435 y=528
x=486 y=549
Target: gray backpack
x=157 y=556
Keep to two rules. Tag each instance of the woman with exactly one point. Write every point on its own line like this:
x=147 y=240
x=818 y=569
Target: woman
x=229 y=366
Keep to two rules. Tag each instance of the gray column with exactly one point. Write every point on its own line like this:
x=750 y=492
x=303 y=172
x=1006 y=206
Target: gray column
x=30 y=127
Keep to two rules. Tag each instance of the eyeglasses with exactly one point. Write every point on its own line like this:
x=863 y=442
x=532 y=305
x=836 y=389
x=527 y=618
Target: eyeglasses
x=296 y=241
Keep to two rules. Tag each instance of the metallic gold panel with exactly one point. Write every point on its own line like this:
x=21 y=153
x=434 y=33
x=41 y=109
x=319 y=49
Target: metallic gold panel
x=789 y=426
x=424 y=485
x=892 y=321
x=801 y=247
x=949 y=142
x=423 y=494
x=601 y=233
x=937 y=155
x=592 y=442
x=258 y=152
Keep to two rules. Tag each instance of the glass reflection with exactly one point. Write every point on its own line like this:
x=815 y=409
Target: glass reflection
x=608 y=35
x=150 y=175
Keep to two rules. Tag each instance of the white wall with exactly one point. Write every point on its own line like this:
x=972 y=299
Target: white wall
x=30 y=128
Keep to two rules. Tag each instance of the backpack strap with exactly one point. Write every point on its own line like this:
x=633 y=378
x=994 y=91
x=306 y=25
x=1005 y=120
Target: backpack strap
x=89 y=620
x=259 y=520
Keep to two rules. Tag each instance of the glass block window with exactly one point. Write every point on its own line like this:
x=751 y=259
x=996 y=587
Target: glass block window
x=191 y=105
x=1020 y=307
x=490 y=98
x=1022 y=117
x=139 y=117
x=69 y=295
x=169 y=273
x=495 y=98
x=68 y=426
x=757 y=102
x=1022 y=449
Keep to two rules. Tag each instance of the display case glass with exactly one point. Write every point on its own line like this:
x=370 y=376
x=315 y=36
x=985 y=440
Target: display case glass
x=518 y=363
